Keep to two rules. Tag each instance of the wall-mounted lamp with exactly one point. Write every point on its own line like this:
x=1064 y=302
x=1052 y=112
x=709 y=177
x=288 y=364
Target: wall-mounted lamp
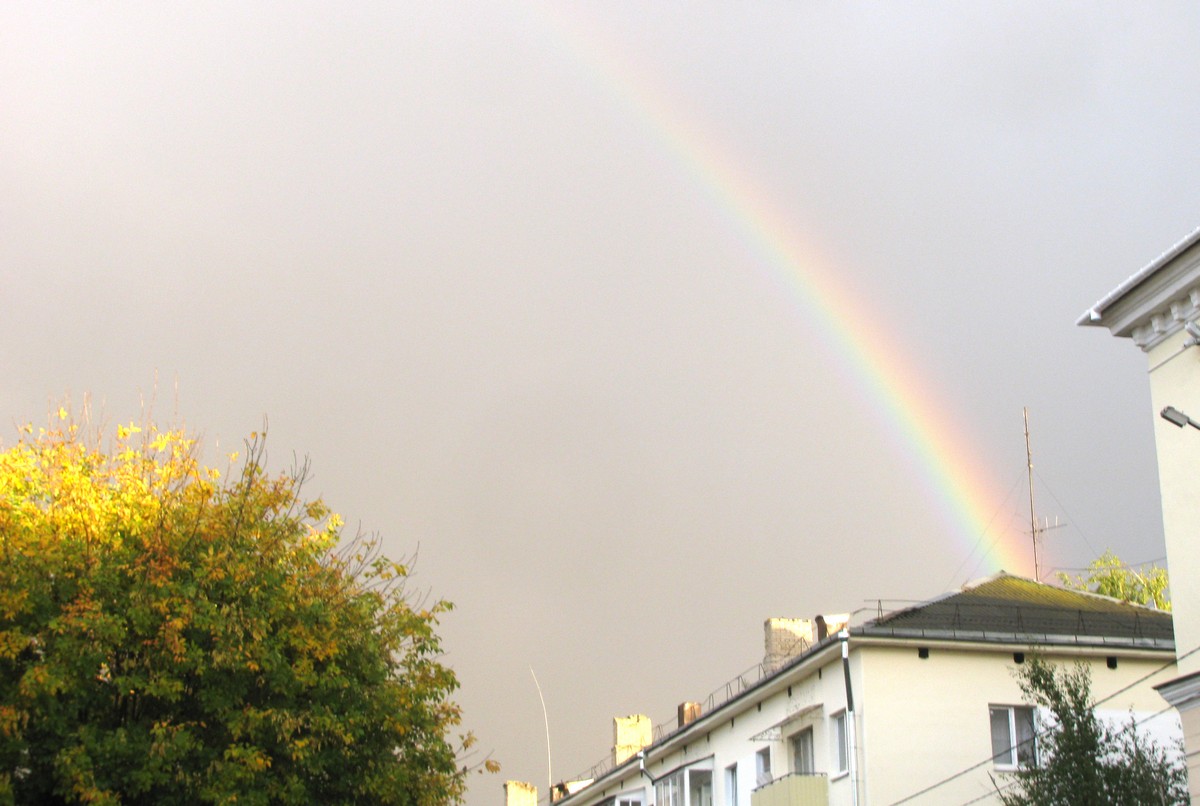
x=1176 y=417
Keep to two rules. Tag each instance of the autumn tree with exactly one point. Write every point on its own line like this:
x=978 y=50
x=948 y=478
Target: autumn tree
x=1081 y=760
x=171 y=637
x=1108 y=576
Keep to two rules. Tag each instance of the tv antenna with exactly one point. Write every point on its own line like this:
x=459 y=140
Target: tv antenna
x=1035 y=529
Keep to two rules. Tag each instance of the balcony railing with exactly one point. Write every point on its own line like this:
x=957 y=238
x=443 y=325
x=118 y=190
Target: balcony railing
x=794 y=789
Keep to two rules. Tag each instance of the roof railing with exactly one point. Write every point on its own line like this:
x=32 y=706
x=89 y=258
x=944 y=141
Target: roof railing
x=729 y=690
x=876 y=621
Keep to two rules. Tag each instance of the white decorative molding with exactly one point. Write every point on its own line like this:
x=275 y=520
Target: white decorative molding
x=1142 y=335
x=1183 y=692
x=1152 y=305
x=1165 y=320
x=1183 y=309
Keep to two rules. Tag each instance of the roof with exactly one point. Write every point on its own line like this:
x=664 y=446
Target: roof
x=1093 y=315
x=1002 y=609
x=1006 y=607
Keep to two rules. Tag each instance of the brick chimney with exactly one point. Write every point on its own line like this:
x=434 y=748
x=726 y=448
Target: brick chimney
x=630 y=734
x=784 y=639
x=519 y=793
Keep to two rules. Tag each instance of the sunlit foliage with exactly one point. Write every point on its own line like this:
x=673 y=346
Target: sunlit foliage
x=1109 y=576
x=171 y=637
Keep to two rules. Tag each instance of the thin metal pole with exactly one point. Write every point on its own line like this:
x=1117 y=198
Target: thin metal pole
x=1033 y=527
x=546 y=720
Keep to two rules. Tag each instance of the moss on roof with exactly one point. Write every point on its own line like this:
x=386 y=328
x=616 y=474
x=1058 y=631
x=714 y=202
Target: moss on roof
x=1006 y=605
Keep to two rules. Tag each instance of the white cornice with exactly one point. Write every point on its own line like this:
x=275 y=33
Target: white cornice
x=1154 y=303
x=1182 y=692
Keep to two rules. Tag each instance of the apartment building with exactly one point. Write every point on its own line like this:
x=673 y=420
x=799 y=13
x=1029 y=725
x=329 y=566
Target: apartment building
x=919 y=705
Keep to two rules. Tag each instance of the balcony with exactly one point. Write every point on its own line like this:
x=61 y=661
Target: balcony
x=794 y=789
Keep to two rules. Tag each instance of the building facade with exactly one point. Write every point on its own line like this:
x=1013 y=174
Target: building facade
x=921 y=705
x=1158 y=309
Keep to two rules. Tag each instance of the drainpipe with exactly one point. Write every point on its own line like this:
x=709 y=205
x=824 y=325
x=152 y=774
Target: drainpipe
x=641 y=757
x=844 y=636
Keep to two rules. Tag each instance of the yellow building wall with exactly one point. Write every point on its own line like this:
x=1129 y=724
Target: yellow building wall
x=922 y=718
x=1175 y=381
x=1190 y=717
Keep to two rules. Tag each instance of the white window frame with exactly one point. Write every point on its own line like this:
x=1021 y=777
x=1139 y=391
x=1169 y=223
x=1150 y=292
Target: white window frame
x=694 y=791
x=840 y=742
x=811 y=756
x=731 y=785
x=1010 y=759
x=669 y=790
x=762 y=767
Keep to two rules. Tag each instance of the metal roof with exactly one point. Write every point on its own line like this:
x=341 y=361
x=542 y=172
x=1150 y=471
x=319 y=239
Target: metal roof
x=1006 y=607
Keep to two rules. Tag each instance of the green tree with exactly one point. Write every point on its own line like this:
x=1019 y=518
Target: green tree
x=1083 y=761
x=1108 y=576
x=168 y=637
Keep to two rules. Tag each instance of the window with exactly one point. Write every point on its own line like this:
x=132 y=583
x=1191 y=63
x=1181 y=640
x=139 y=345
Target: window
x=731 y=789
x=841 y=742
x=762 y=766
x=622 y=800
x=1014 y=735
x=700 y=788
x=801 y=746
x=669 y=791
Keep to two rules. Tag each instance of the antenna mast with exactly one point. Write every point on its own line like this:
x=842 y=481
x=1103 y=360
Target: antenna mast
x=1033 y=525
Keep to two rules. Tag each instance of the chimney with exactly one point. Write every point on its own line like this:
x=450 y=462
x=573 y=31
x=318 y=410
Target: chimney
x=784 y=639
x=564 y=788
x=630 y=734
x=519 y=793
x=689 y=712
x=831 y=625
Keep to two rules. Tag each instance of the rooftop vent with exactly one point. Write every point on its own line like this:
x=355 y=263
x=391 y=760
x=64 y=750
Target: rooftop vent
x=831 y=625
x=689 y=712
x=565 y=788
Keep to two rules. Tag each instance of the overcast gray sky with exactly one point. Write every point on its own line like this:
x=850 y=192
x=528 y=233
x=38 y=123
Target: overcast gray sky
x=469 y=260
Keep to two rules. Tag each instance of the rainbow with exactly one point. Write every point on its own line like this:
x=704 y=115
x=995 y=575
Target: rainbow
x=954 y=481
